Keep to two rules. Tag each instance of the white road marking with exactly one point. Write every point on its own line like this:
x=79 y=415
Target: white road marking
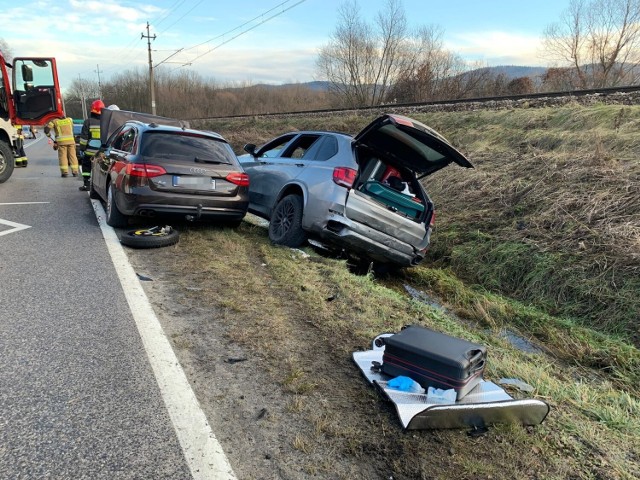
x=16 y=227
x=28 y=144
x=22 y=203
x=201 y=449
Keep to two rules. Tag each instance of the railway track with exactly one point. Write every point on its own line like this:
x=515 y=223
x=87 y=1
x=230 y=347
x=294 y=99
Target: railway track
x=606 y=92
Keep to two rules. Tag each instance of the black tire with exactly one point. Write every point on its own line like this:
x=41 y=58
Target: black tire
x=114 y=217
x=92 y=191
x=150 y=237
x=285 y=226
x=7 y=163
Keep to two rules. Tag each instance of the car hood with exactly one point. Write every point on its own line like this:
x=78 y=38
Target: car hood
x=111 y=120
x=410 y=143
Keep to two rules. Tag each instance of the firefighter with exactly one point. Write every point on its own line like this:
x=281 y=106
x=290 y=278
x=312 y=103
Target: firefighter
x=21 y=159
x=64 y=143
x=90 y=142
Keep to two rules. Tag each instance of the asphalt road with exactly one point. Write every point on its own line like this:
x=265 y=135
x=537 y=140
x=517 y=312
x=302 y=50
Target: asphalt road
x=78 y=398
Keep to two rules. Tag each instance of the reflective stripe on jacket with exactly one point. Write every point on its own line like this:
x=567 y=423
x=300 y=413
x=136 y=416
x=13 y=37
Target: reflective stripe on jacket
x=64 y=131
x=90 y=131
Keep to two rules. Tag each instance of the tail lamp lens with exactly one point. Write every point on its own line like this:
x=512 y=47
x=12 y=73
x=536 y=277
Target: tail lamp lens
x=144 y=170
x=344 y=176
x=238 y=178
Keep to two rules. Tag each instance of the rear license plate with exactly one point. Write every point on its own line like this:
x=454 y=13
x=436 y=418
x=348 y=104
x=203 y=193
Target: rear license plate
x=204 y=183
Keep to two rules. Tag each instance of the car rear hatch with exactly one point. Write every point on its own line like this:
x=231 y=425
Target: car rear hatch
x=400 y=147
x=188 y=163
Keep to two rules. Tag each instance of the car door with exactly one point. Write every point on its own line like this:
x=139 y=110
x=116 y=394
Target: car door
x=277 y=164
x=100 y=167
x=401 y=144
x=124 y=145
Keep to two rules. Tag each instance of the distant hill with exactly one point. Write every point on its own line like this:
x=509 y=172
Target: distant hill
x=510 y=71
x=514 y=71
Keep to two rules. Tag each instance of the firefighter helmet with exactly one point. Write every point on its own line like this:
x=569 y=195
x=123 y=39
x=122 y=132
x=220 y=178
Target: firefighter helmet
x=113 y=107
x=97 y=106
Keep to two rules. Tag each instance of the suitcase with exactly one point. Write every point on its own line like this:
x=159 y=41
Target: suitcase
x=434 y=359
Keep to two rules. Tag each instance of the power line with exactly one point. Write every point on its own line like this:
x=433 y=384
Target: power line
x=162 y=18
x=187 y=13
x=128 y=51
x=245 y=23
x=244 y=31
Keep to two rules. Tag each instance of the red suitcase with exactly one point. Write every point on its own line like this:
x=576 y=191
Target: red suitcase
x=434 y=359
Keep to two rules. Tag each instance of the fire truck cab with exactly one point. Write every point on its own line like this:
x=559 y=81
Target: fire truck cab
x=29 y=95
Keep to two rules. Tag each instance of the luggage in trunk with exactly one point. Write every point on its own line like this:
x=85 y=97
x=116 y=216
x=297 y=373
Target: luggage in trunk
x=434 y=359
x=394 y=199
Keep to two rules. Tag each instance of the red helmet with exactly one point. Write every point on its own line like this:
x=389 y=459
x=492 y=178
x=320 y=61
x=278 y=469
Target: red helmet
x=97 y=106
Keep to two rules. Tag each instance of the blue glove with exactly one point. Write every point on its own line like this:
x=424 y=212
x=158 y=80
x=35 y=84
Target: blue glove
x=405 y=384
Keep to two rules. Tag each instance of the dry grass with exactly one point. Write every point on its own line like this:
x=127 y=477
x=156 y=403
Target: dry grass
x=551 y=213
x=550 y=216
x=304 y=318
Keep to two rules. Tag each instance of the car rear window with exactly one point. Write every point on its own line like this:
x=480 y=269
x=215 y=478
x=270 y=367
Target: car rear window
x=185 y=145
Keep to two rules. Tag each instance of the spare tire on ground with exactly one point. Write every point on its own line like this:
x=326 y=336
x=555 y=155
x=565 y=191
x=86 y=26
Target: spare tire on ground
x=150 y=237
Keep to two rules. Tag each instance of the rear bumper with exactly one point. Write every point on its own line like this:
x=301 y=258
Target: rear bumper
x=365 y=241
x=193 y=212
x=193 y=207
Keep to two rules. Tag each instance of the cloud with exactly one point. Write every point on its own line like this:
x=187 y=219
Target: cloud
x=259 y=66
x=108 y=10
x=498 y=47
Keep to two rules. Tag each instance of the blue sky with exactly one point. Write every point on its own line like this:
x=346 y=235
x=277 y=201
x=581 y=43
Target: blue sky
x=90 y=35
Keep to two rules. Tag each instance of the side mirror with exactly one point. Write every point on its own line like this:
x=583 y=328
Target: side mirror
x=27 y=73
x=250 y=148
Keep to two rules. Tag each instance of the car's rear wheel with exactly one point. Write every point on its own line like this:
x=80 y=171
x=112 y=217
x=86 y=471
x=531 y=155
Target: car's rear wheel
x=114 y=217
x=150 y=237
x=285 y=226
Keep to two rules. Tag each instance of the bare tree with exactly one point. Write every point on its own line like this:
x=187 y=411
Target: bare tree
x=599 y=40
x=361 y=61
x=78 y=98
x=434 y=72
x=520 y=86
x=558 y=79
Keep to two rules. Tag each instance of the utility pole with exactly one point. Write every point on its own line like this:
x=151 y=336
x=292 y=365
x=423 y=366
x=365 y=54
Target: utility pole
x=99 y=84
x=83 y=98
x=151 y=86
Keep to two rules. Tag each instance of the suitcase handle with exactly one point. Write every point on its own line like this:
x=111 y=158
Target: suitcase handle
x=477 y=356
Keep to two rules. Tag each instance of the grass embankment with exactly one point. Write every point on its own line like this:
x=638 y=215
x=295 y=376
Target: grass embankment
x=305 y=316
x=549 y=216
x=543 y=237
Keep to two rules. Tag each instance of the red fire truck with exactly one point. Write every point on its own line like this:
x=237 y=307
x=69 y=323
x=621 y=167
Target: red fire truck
x=29 y=95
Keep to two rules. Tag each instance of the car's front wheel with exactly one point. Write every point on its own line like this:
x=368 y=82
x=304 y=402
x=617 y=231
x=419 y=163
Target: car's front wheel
x=114 y=217
x=285 y=226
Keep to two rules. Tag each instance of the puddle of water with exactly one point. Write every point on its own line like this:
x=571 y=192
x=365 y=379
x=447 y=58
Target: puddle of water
x=519 y=342
x=513 y=338
x=423 y=297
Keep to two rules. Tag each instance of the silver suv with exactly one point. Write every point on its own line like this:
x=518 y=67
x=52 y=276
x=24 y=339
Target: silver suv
x=361 y=194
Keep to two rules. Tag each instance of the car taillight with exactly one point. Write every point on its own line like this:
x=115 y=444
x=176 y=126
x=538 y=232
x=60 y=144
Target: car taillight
x=344 y=176
x=238 y=178
x=144 y=170
x=432 y=222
